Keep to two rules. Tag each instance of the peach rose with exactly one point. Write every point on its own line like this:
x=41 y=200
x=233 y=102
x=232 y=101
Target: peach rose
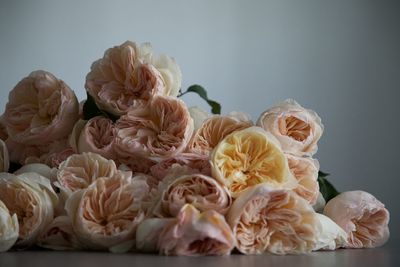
x=4 y=159
x=9 y=228
x=31 y=197
x=273 y=220
x=59 y=235
x=159 y=130
x=202 y=192
x=95 y=135
x=40 y=109
x=212 y=131
x=80 y=170
x=362 y=216
x=330 y=235
x=106 y=214
x=249 y=157
x=129 y=75
x=196 y=233
x=305 y=170
x=296 y=128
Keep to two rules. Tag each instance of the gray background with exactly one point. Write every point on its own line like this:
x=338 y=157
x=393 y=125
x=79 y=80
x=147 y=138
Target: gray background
x=340 y=58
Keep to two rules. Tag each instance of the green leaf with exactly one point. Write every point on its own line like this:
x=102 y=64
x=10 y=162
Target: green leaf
x=91 y=110
x=327 y=190
x=215 y=106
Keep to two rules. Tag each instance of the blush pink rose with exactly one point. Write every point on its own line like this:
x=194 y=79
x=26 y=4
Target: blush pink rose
x=297 y=129
x=278 y=221
x=161 y=129
x=40 y=109
x=305 y=170
x=364 y=218
x=106 y=214
x=122 y=80
x=202 y=192
x=196 y=234
x=95 y=135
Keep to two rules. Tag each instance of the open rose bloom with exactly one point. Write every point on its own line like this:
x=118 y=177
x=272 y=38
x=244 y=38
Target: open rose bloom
x=133 y=169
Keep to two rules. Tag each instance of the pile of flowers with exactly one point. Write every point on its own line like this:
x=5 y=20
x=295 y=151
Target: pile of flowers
x=133 y=169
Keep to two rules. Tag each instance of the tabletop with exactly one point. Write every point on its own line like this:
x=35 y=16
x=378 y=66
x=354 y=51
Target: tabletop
x=388 y=255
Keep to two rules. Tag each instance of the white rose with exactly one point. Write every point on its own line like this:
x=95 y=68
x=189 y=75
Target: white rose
x=331 y=236
x=8 y=228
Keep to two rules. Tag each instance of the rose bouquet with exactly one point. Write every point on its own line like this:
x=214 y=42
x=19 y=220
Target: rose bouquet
x=132 y=168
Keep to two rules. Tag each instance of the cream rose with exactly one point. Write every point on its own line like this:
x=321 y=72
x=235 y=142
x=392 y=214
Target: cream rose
x=212 y=131
x=106 y=214
x=9 y=228
x=330 y=235
x=196 y=233
x=296 y=128
x=40 y=109
x=202 y=192
x=362 y=216
x=80 y=170
x=95 y=135
x=198 y=115
x=31 y=197
x=305 y=170
x=159 y=130
x=4 y=159
x=59 y=235
x=249 y=157
x=274 y=220
x=148 y=233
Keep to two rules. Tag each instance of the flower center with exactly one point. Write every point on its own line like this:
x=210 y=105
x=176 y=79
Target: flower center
x=295 y=128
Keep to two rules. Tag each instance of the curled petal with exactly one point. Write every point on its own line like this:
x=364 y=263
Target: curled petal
x=331 y=236
x=8 y=228
x=364 y=218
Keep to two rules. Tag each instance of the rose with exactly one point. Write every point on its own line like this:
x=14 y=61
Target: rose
x=80 y=170
x=105 y=215
x=305 y=170
x=8 y=228
x=160 y=129
x=59 y=235
x=202 y=192
x=129 y=75
x=4 y=160
x=362 y=216
x=95 y=135
x=148 y=233
x=296 y=128
x=273 y=220
x=40 y=109
x=196 y=233
x=31 y=197
x=249 y=157
x=330 y=235
x=212 y=131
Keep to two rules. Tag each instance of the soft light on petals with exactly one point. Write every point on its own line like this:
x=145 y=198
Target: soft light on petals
x=196 y=234
x=273 y=220
x=250 y=157
x=8 y=228
x=198 y=115
x=320 y=204
x=364 y=218
x=296 y=128
x=148 y=233
x=331 y=236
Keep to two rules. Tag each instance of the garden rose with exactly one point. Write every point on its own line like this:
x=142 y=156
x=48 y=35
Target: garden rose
x=198 y=115
x=196 y=233
x=273 y=220
x=31 y=197
x=362 y=216
x=202 y=192
x=296 y=128
x=4 y=159
x=330 y=236
x=40 y=110
x=159 y=130
x=80 y=170
x=95 y=135
x=249 y=157
x=59 y=235
x=212 y=131
x=106 y=214
x=305 y=170
x=8 y=228
x=148 y=233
